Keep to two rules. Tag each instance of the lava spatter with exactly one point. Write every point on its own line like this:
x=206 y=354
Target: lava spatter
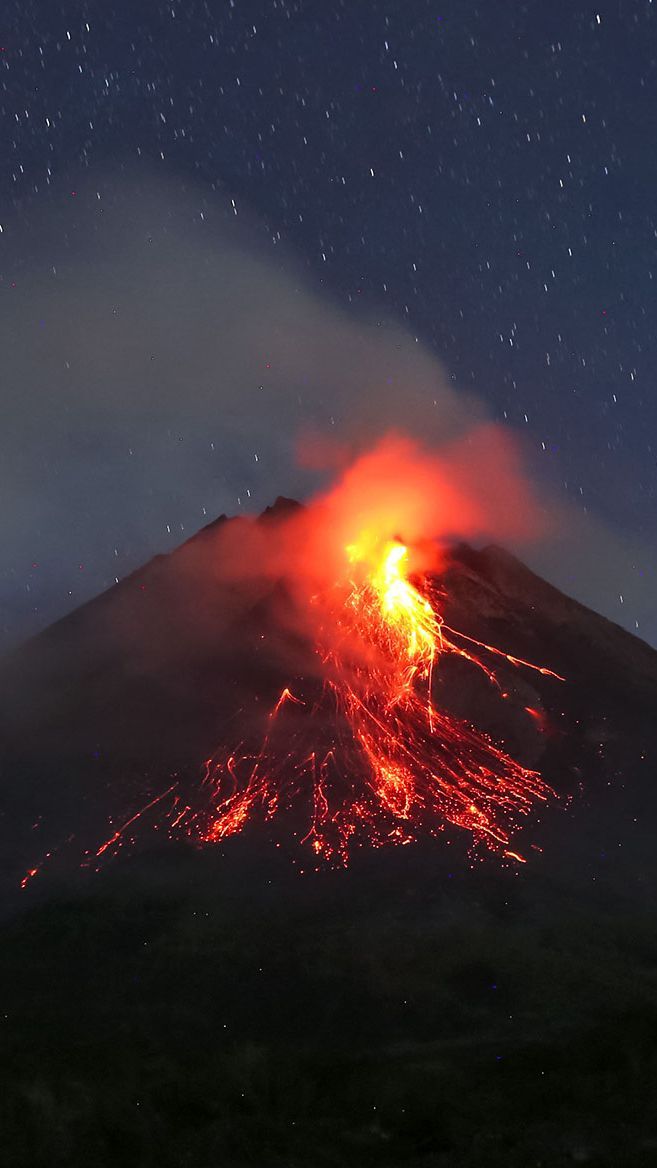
x=372 y=759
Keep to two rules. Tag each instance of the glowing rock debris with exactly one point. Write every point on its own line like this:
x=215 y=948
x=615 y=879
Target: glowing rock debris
x=371 y=760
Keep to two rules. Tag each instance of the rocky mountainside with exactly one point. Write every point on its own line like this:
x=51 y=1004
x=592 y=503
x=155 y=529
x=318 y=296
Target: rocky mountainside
x=152 y=675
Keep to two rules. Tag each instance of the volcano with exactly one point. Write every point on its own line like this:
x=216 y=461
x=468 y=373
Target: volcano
x=120 y=707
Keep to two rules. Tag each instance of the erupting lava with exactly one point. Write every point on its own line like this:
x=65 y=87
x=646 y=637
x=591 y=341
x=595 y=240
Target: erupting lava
x=371 y=760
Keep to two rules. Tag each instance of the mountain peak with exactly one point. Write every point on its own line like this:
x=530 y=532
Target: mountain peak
x=281 y=508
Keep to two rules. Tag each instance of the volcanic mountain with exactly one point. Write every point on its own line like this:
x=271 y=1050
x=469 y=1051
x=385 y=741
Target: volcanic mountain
x=138 y=687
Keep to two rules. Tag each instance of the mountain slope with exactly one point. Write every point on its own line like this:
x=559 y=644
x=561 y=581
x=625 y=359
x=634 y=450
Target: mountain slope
x=148 y=679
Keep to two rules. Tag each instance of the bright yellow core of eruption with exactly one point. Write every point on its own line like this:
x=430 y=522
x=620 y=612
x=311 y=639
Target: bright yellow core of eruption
x=408 y=617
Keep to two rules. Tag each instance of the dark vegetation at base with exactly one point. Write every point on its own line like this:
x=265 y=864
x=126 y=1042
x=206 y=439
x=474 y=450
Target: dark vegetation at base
x=387 y=1016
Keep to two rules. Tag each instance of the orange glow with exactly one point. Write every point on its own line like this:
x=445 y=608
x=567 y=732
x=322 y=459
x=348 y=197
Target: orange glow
x=357 y=751
x=406 y=617
x=372 y=757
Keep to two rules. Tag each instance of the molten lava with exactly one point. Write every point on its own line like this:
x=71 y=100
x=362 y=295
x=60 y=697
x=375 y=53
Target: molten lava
x=370 y=759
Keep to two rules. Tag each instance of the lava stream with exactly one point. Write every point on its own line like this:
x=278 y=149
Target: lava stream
x=370 y=760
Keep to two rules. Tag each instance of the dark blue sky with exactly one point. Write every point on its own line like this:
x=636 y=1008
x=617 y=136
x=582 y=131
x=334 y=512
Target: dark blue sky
x=484 y=173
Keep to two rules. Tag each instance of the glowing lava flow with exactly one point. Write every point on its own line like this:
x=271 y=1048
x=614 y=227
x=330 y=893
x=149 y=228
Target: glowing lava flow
x=370 y=759
x=362 y=755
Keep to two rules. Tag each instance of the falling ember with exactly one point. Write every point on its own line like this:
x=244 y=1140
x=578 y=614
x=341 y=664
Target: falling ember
x=115 y=841
x=370 y=759
x=29 y=875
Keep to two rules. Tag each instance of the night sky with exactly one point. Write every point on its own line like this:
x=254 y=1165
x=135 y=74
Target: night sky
x=224 y=221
